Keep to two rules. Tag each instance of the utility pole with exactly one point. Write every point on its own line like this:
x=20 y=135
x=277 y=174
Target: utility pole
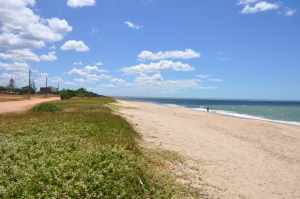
x=29 y=84
x=46 y=85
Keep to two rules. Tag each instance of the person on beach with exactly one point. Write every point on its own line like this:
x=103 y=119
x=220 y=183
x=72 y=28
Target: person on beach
x=207 y=109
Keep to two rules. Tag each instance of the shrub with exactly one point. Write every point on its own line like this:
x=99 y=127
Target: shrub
x=45 y=107
x=67 y=94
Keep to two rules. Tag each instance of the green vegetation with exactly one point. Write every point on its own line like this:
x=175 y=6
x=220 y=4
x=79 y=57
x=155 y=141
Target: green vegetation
x=81 y=150
x=68 y=94
x=46 y=107
x=17 y=91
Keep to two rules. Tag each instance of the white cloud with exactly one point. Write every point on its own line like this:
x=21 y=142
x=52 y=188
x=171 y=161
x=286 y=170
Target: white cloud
x=261 y=6
x=157 y=81
x=22 y=28
x=80 y=3
x=15 y=66
x=132 y=25
x=157 y=66
x=22 y=31
x=90 y=73
x=78 y=46
x=118 y=81
x=19 y=55
x=290 y=12
x=22 y=55
x=99 y=64
x=176 y=54
x=244 y=2
x=77 y=63
x=51 y=56
x=59 y=25
x=255 y=6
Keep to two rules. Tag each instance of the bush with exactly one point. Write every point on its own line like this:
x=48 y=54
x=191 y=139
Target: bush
x=68 y=94
x=46 y=107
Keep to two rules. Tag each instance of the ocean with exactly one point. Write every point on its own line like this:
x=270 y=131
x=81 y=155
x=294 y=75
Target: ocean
x=276 y=111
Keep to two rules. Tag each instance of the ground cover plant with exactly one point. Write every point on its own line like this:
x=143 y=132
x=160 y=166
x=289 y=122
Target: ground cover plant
x=81 y=150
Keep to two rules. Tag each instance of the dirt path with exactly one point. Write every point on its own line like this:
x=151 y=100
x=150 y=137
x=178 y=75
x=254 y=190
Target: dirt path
x=19 y=106
x=234 y=158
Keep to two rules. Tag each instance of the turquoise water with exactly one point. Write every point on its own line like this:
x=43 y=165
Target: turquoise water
x=273 y=110
x=283 y=113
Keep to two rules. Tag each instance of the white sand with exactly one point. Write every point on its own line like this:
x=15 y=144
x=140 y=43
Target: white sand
x=19 y=106
x=238 y=158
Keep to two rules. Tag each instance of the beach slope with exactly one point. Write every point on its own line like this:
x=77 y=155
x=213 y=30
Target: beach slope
x=237 y=158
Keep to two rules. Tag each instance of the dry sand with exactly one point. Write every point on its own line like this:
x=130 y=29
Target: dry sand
x=236 y=158
x=19 y=106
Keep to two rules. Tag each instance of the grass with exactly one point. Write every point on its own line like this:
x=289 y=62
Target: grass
x=46 y=107
x=80 y=150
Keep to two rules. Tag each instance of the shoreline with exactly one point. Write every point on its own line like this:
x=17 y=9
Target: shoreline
x=223 y=113
x=235 y=158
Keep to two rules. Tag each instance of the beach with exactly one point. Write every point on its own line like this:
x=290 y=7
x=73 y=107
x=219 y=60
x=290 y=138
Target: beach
x=232 y=157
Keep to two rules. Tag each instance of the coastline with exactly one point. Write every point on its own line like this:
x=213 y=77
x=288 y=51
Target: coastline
x=223 y=112
x=239 y=158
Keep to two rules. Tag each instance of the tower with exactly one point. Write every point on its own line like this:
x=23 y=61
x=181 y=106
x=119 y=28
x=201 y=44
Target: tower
x=12 y=84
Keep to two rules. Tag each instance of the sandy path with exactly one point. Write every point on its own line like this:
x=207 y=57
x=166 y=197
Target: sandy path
x=19 y=106
x=239 y=158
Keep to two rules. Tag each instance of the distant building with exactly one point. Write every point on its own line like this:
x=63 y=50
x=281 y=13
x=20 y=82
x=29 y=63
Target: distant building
x=48 y=90
x=12 y=83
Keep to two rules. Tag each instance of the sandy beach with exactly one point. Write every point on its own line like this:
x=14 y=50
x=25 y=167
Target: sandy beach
x=234 y=158
x=23 y=105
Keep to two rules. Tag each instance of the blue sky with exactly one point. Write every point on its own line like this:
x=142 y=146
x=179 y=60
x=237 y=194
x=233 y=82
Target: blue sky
x=247 y=49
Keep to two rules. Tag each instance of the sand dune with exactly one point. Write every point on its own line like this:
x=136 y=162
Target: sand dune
x=237 y=158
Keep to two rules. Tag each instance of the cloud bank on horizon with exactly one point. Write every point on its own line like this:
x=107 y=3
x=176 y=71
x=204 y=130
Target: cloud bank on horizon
x=34 y=39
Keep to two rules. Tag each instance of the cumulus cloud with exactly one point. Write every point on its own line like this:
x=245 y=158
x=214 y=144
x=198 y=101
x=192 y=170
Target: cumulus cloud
x=59 y=25
x=176 y=54
x=89 y=73
x=80 y=3
x=159 y=82
x=51 y=56
x=78 y=46
x=261 y=6
x=22 y=28
x=256 y=6
x=14 y=66
x=19 y=55
x=22 y=55
x=132 y=25
x=22 y=31
x=157 y=66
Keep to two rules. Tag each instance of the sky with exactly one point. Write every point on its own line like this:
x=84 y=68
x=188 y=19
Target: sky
x=227 y=49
